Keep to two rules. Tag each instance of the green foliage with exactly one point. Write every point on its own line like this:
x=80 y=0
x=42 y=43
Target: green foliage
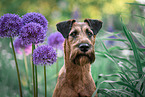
x=130 y=80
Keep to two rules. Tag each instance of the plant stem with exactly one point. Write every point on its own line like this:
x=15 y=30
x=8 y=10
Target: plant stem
x=36 y=81
x=33 y=47
x=56 y=68
x=26 y=69
x=17 y=68
x=45 y=81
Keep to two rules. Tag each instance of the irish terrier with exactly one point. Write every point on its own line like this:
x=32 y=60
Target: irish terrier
x=75 y=79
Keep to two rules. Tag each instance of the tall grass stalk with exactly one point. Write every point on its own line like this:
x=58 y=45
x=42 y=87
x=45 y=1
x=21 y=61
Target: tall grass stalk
x=17 y=68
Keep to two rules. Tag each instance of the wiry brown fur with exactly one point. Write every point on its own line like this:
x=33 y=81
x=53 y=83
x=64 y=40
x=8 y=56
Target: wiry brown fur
x=75 y=79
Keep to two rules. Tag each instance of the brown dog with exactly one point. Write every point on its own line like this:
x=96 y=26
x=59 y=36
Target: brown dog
x=75 y=79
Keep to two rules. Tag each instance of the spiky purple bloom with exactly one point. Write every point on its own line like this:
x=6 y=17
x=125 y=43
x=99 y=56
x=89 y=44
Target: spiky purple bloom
x=19 y=46
x=32 y=33
x=55 y=40
x=36 y=18
x=44 y=55
x=10 y=25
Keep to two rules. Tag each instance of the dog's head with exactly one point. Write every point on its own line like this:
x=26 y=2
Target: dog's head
x=80 y=38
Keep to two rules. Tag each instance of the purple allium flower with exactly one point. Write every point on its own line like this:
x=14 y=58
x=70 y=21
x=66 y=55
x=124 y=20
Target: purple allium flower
x=76 y=14
x=18 y=45
x=55 y=40
x=44 y=55
x=111 y=42
x=10 y=25
x=36 y=18
x=32 y=33
x=110 y=29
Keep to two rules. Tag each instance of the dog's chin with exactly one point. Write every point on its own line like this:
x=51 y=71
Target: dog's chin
x=82 y=59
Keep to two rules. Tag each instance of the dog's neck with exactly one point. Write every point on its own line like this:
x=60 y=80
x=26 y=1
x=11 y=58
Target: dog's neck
x=76 y=74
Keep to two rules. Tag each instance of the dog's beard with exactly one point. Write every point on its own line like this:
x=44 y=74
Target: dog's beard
x=81 y=59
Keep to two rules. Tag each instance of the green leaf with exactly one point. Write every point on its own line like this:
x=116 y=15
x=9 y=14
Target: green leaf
x=136 y=4
x=118 y=48
x=129 y=70
x=102 y=54
x=103 y=91
x=108 y=34
x=139 y=16
x=112 y=39
x=140 y=83
x=139 y=37
x=124 y=84
x=120 y=91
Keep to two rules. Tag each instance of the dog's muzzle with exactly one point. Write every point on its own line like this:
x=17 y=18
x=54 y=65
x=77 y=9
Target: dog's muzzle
x=84 y=47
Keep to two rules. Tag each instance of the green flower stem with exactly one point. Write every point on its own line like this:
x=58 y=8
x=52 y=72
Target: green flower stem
x=26 y=69
x=56 y=67
x=17 y=68
x=45 y=81
x=36 y=81
x=33 y=72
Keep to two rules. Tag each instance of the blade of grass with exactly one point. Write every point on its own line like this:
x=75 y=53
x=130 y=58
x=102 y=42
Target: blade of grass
x=118 y=48
x=112 y=39
x=139 y=37
x=110 y=34
x=136 y=4
x=139 y=16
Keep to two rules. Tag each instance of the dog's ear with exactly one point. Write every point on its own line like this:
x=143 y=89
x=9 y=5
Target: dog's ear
x=65 y=27
x=95 y=25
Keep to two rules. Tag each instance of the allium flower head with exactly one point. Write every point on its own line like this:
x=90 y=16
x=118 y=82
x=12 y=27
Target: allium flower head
x=44 y=55
x=36 y=18
x=10 y=25
x=18 y=45
x=32 y=33
x=55 y=40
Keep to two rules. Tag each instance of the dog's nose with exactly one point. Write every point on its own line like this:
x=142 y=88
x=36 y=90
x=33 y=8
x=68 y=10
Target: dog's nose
x=84 y=47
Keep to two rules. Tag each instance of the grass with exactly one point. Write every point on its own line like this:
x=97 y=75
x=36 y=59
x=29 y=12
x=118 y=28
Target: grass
x=130 y=79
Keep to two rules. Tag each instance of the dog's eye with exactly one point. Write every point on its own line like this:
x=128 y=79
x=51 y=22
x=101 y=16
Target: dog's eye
x=73 y=34
x=89 y=33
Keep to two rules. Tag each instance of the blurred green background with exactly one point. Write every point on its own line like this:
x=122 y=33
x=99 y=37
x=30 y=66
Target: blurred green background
x=109 y=11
